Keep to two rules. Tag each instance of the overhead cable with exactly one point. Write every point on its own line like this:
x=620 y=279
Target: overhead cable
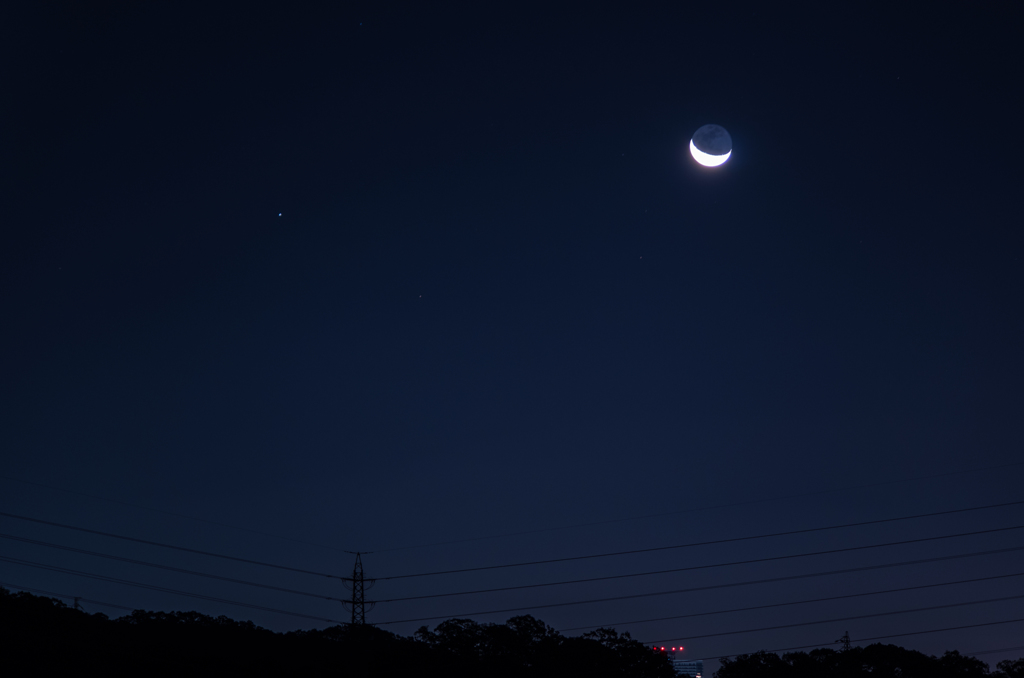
x=857 y=640
x=167 y=567
x=168 y=546
x=1001 y=649
x=703 y=507
x=702 y=543
x=709 y=566
x=169 y=513
x=126 y=582
x=853 y=618
x=794 y=602
x=63 y=595
x=770 y=580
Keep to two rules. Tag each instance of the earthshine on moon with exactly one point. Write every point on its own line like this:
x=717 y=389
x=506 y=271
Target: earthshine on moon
x=711 y=145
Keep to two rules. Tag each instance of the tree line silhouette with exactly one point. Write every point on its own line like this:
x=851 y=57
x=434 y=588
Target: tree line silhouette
x=43 y=636
x=877 y=661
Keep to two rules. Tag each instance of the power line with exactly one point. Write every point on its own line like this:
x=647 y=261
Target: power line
x=151 y=587
x=62 y=595
x=862 y=640
x=972 y=653
x=509 y=534
x=167 y=567
x=169 y=513
x=796 y=602
x=703 y=543
x=169 y=546
x=800 y=647
x=492 y=567
x=560 y=604
x=1002 y=649
x=770 y=580
x=854 y=618
x=709 y=566
x=951 y=628
x=699 y=508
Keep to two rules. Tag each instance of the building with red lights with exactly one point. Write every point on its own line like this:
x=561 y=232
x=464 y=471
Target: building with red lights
x=684 y=667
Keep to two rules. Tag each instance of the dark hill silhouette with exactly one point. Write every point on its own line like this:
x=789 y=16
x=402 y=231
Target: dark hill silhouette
x=43 y=636
x=877 y=661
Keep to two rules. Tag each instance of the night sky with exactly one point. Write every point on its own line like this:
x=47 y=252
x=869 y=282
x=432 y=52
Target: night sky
x=443 y=284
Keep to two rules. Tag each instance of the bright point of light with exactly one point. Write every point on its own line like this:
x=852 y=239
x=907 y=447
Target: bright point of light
x=707 y=159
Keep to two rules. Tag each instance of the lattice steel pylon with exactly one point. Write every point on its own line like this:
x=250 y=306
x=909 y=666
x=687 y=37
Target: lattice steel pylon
x=845 y=641
x=358 y=584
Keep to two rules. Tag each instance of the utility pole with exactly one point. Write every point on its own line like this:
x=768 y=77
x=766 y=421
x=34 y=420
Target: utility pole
x=845 y=640
x=78 y=606
x=358 y=584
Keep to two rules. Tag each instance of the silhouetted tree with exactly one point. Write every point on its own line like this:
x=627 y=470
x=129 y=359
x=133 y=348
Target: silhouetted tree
x=1010 y=668
x=43 y=636
x=877 y=661
x=757 y=665
x=632 y=656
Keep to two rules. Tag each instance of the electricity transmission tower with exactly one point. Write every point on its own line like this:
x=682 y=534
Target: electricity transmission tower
x=845 y=640
x=358 y=584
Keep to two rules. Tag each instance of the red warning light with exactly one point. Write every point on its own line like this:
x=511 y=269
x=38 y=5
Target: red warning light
x=673 y=649
x=662 y=649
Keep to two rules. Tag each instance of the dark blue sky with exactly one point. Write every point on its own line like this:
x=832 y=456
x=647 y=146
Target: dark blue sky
x=378 y=277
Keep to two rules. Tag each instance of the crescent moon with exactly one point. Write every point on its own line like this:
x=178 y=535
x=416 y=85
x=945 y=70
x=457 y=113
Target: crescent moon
x=707 y=159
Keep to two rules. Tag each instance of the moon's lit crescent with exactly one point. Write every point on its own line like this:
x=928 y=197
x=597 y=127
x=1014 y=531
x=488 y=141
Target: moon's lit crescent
x=707 y=159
